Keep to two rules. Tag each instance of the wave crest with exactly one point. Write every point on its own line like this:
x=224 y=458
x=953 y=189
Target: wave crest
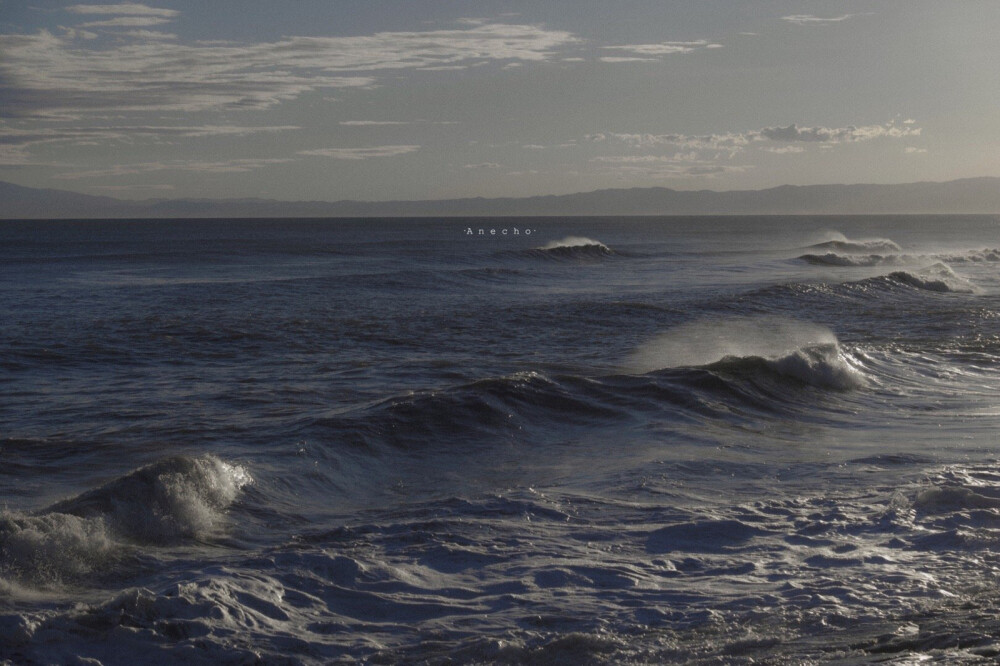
x=834 y=259
x=803 y=351
x=937 y=277
x=573 y=247
x=820 y=365
x=840 y=243
x=166 y=502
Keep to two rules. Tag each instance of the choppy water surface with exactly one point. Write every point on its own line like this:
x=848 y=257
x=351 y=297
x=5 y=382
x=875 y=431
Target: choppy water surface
x=655 y=440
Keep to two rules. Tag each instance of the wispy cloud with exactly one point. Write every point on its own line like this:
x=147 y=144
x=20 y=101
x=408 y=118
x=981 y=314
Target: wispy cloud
x=360 y=153
x=784 y=150
x=149 y=34
x=379 y=123
x=16 y=142
x=677 y=158
x=654 y=52
x=809 y=19
x=737 y=141
x=45 y=73
x=536 y=146
x=722 y=142
x=366 y=123
x=123 y=9
x=848 y=134
x=708 y=155
x=222 y=166
x=132 y=188
x=126 y=22
x=669 y=170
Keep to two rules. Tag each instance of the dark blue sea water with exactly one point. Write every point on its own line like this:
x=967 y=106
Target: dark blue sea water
x=595 y=440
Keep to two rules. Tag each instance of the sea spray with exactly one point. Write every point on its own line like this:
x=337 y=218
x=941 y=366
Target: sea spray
x=572 y=248
x=573 y=241
x=838 y=242
x=805 y=351
x=937 y=277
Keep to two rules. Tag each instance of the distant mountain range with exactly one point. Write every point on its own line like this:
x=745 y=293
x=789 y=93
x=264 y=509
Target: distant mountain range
x=971 y=195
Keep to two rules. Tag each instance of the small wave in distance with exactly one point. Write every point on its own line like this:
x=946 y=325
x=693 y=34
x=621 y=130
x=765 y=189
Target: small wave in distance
x=573 y=247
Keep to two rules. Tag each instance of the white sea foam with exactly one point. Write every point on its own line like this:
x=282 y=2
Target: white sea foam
x=834 y=259
x=723 y=581
x=574 y=241
x=173 y=499
x=974 y=256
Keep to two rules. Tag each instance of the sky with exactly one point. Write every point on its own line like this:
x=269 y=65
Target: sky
x=326 y=100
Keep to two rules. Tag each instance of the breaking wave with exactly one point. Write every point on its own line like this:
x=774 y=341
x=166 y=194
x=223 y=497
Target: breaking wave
x=974 y=256
x=572 y=247
x=840 y=243
x=834 y=259
x=167 y=502
x=819 y=365
x=853 y=259
x=803 y=351
x=938 y=277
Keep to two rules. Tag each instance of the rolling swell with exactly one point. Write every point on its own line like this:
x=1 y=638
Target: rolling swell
x=516 y=408
x=834 y=259
x=862 y=260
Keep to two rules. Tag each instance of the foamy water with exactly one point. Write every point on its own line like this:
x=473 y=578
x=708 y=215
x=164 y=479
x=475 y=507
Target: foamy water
x=614 y=441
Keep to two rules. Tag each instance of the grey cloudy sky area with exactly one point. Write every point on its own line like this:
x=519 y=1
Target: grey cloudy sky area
x=418 y=99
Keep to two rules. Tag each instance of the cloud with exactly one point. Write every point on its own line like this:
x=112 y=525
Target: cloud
x=131 y=188
x=149 y=34
x=910 y=150
x=381 y=123
x=15 y=143
x=784 y=149
x=809 y=19
x=365 y=123
x=123 y=9
x=679 y=165
x=360 y=153
x=483 y=165
x=15 y=136
x=626 y=59
x=653 y=52
x=836 y=135
x=126 y=22
x=646 y=159
x=671 y=170
x=223 y=166
x=44 y=74
x=723 y=142
x=735 y=142
x=536 y=146
x=73 y=33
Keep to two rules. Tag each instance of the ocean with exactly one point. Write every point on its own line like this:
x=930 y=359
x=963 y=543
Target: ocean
x=704 y=440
